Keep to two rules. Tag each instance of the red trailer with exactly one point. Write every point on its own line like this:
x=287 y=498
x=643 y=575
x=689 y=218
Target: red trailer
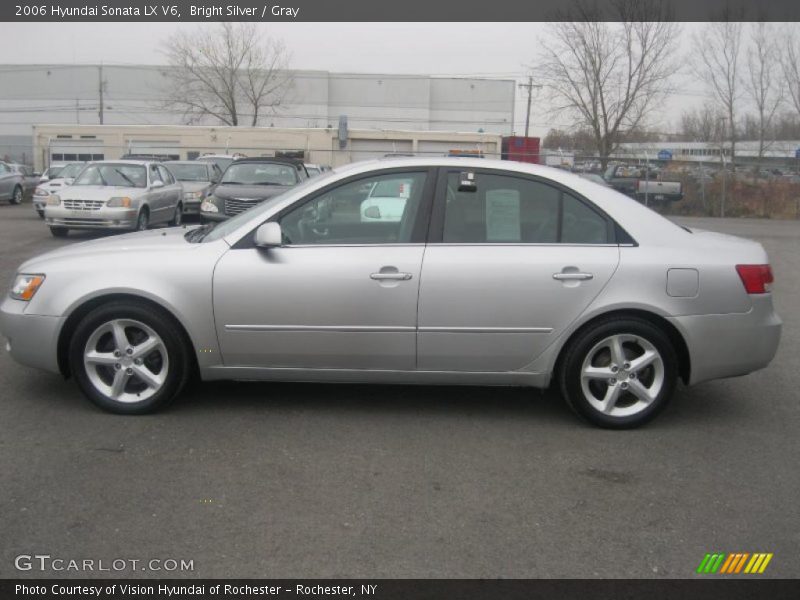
x=521 y=149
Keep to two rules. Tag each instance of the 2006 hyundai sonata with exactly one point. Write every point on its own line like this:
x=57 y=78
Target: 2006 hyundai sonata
x=493 y=273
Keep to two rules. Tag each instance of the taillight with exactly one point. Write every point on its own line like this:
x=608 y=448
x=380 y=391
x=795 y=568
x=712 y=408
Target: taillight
x=757 y=279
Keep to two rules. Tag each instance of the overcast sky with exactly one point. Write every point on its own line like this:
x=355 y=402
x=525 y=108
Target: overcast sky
x=470 y=49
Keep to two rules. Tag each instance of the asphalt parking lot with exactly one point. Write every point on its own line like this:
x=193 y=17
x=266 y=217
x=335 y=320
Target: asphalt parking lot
x=300 y=481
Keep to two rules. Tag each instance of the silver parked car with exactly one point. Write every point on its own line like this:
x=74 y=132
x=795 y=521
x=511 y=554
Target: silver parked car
x=497 y=273
x=198 y=178
x=117 y=194
x=12 y=184
x=62 y=177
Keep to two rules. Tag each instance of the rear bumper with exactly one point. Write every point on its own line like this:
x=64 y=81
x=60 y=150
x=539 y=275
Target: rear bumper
x=733 y=344
x=30 y=339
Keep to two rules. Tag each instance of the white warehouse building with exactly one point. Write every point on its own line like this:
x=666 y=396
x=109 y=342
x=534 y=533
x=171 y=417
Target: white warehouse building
x=63 y=94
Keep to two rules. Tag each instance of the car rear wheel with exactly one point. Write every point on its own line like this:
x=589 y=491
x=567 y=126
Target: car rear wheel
x=128 y=358
x=619 y=373
x=59 y=232
x=16 y=197
x=40 y=213
x=177 y=219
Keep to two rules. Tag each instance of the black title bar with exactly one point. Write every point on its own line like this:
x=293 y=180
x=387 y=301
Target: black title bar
x=378 y=11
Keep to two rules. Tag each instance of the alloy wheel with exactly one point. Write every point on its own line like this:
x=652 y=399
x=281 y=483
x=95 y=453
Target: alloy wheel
x=622 y=375
x=126 y=361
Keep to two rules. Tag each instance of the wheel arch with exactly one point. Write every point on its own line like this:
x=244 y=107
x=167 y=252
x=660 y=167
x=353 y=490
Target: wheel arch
x=85 y=307
x=675 y=337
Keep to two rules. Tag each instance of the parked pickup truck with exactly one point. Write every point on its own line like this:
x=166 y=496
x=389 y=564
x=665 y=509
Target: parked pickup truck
x=633 y=181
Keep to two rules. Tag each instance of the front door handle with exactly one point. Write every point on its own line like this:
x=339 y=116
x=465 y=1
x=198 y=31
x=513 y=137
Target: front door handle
x=573 y=276
x=390 y=276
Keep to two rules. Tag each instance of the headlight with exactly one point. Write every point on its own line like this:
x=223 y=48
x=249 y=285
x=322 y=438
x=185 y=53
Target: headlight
x=209 y=206
x=25 y=286
x=53 y=200
x=119 y=201
x=193 y=195
x=40 y=192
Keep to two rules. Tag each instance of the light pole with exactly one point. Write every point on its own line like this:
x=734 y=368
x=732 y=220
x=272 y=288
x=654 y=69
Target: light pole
x=529 y=86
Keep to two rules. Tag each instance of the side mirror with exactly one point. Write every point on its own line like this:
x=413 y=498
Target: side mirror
x=157 y=184
x=269 y=235
x=372 y=212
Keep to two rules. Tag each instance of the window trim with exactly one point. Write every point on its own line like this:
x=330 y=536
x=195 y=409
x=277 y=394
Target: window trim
x=616 y=233
x=419 y=232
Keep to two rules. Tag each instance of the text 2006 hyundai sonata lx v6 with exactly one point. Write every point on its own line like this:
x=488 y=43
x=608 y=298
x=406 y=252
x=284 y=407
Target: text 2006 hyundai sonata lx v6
x=493 y=273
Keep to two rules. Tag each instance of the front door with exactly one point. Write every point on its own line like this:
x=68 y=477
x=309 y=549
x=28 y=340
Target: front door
x=513 y=261
x=341 y=293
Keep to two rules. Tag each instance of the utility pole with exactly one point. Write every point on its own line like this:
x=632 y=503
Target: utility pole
x=100 y=86
x=529 y=86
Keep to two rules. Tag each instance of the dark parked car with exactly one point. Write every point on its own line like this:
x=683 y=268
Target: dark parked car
x=248 y=182
x=198 y=179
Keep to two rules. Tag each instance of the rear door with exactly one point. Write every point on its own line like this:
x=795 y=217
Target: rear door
x=511 y=262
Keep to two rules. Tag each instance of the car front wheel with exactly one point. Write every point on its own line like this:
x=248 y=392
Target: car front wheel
x=59 y=232
x=619 y=373
x=16 y=196
x=128 y=358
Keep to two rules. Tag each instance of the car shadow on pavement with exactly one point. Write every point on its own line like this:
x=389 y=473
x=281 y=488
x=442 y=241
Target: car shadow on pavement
x=706 y=403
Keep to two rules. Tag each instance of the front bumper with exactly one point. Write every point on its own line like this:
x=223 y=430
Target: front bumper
x=733 y=344
x=191 y=207
x=102 y=218
x=39 y=202
x=32 y=340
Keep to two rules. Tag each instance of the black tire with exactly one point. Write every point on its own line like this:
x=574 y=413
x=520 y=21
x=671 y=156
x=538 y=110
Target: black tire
x=578 y=350
x=17 y=195
x=177 y=219
x=59 y=232
x=177 y=351
x=143 y=220
x=40 y=213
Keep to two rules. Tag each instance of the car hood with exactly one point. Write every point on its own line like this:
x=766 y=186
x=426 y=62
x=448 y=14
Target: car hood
x=250 y=192
x=167 y=241
x=98 y=192
x=53 y=184
x=195 y=186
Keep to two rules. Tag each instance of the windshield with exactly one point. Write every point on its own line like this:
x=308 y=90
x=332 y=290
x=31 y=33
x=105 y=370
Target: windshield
x=225 y=227
x=189 y=172
x=260 y=174
x=221 y=161
x=113 y=175
x=69 y=171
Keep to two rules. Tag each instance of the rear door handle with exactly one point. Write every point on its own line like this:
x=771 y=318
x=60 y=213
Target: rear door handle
x=391 y=276
x=573 y=276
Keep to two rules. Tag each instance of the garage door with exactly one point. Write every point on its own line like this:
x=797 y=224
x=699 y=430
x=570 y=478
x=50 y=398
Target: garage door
x=372 y=149
x=169 y=149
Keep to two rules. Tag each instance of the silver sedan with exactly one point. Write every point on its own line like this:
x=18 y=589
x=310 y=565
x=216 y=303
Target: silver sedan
x=121 y=194
x=491 y=273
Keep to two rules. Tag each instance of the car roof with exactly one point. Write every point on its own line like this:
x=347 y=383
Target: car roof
x=272 y=159
x=126 y=161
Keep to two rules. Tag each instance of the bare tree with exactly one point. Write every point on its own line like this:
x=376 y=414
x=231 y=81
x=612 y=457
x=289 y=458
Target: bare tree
x=762 y=81
x=700 y=125
x=608 y=77
x=228 y=72
x=718 y=50
x=790 y=64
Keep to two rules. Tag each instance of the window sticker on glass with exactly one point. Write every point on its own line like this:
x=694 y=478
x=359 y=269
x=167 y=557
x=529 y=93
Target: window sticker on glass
x=502 y=216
